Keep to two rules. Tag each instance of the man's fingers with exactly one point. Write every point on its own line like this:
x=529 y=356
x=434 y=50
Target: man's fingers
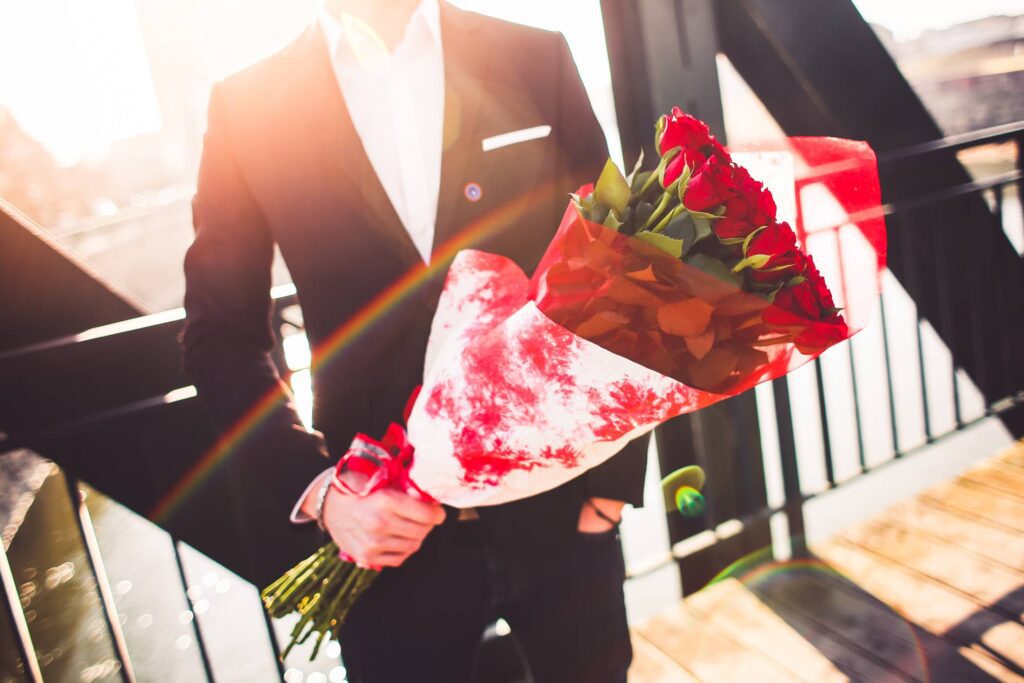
x=389 y=559
x=394 y=544
x=405 y=528
x=415 y=510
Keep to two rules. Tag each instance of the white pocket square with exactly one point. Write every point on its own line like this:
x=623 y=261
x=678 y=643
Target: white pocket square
x=514 y=137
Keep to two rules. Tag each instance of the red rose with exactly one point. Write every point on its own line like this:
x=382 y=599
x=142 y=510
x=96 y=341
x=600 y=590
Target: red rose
x=777 y=253
x=821 y=290
x=751 y=208
x=682 y=130
x=809 y=306
x=686 y=157
x=694 y=139
x=711 y=186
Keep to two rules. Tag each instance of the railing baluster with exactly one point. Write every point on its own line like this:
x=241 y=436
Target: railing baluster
x=92 y=552
x=1020 y=174
x=985 y=317
x=200 y=643
x=882 y=320
x=790 y=469
x=853 y=363
x=16 y=617
x=940 y=252
x=907 y=223
x=826 y=437
x=273 y=642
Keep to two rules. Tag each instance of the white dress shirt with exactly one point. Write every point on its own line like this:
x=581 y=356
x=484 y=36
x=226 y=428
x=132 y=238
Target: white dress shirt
x=396 y=101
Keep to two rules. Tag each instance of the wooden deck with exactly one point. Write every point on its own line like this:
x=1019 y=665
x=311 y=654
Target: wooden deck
x=931 y=589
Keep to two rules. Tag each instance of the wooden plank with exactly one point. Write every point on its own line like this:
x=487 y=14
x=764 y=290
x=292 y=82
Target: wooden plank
x=989 y=584
x=963 y=529
x=922 y=649
x=928 y=604
x=651 y=665
x=811 y=652
x=998 y=464
x=1006 y=479
x=704 y=650
x=869 y=629
x=1013 y=455
x=986 y=664
x=980 y=501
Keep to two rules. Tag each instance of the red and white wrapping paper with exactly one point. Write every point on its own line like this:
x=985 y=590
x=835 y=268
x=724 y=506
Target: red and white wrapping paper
x=513 y=404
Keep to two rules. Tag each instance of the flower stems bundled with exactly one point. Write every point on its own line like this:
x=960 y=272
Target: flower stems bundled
x=322 y=589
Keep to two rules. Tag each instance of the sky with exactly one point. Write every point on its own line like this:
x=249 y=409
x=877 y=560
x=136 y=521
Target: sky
x=89 y=60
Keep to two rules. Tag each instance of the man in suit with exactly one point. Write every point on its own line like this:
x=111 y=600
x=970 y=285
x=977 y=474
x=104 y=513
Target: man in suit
x=384 y=137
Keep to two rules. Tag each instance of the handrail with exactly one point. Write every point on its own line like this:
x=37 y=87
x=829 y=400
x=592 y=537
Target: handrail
x=985 y=136
x=280 y=293
x=994 y=134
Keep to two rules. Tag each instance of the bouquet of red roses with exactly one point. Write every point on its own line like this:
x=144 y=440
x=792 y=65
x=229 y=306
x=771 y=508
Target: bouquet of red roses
x=662 y=292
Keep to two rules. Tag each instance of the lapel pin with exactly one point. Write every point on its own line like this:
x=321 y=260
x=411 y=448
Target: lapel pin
x=473 y=192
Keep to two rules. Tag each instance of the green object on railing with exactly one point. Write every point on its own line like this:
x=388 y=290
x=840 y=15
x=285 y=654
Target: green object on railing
x=682 y=490
x=690 y=502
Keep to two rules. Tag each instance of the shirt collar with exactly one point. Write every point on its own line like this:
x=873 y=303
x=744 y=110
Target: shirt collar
x=428 y=11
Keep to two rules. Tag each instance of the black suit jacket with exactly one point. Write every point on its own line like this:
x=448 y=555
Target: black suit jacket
x=282 y=164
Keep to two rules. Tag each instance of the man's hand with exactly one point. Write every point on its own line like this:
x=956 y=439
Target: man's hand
x=383 y=528
x=591 y=522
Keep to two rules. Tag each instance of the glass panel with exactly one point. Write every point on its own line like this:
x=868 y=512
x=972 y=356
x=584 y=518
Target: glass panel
x=234 y=628
x=143 y=574
x=21 y=475
x=11 y=667
x=58 y=590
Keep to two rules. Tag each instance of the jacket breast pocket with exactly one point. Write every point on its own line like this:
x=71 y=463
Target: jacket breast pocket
x=515 y=137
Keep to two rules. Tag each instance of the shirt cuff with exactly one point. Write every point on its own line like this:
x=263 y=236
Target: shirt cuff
x=298 y=516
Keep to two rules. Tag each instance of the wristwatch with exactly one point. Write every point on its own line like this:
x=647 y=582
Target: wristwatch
x=321 y=498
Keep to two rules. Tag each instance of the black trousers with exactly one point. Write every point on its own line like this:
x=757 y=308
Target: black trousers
x=425 y=621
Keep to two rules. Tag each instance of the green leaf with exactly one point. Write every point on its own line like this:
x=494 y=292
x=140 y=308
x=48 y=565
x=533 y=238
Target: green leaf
x=612 y=189
x=715 y=267
x=612 y=221
x=705 y=216
x=748 y=238
x=682 y=228
x=755 y=261
x=667 y=244
x=665 y=161
x=639 y=181
x=642 y=212
x=598 y=213
x=684 y=182
x=631 y=178
x=703 y=227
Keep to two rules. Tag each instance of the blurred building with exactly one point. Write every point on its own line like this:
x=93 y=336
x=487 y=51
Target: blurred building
x=970 y=76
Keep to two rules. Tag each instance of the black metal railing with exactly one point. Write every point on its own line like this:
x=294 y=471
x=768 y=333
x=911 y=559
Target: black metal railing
x=900 y=215
x=119 y=380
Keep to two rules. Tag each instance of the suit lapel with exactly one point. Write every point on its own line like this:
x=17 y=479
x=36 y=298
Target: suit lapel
x=349 y=183
x=342 y=173
x=466 y=61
